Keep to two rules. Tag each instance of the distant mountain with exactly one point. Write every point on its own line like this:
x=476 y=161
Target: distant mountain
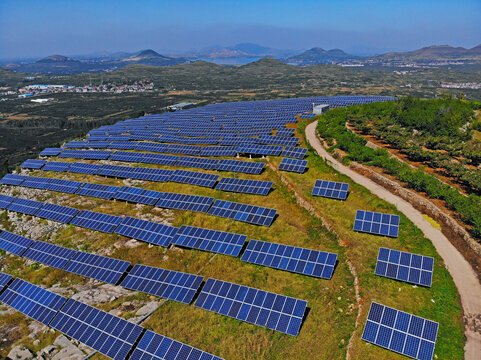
x=430 y=53
x=318 y=55
x=239 y=50
x=59 y=64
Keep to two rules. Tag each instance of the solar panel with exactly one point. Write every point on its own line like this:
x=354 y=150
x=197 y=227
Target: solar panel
x=331 y=189
x=127 y=156
x=98 y=144
x=138 y=195
x=377 y=223
x=245 y=186
x=294 y=152
x=153 y=346
x=123 y=145
x=404 y=266
x=147 y=146
x=263 y=308
x=4 y=280
x=291 y=258
x=150 y=232
x=167 y=284
x=5 y=201
x=185 y=202
x=98 y=267
x=103 y=332
x=56 y=166
x=293 y=165
x=246 y=167
x=13 y=243
x=86 y=154
x=29 y=207
x=49 y=254
x=285 y=132
x=33 y=164
x=36 y=182
x=33 y=301
x=65 y=186
x=194 y=178
x=98 y=190
x=260 y=149
x=160 y=159
x=210 y=240
x=243 y=212
x=400 y=332
x=57 y=213
x=12 y=179
x=200 y=163
x=84 y=168
x=51 y=151
x=277 y=140
x=182 y=149
x=218 y=151
x=75 y=144
x=97 y=221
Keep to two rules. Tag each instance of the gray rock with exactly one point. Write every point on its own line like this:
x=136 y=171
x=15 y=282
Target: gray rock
x=147 y=308
x=102 y=294
x=20 y=353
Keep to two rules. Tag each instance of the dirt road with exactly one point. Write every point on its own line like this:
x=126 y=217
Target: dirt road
x=463 y=275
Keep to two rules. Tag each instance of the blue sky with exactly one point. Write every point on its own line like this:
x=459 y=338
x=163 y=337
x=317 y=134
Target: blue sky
x=40 y=28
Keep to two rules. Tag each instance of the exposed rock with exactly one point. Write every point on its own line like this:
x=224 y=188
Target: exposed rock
x=102 y=294
x=147 y=308
x=68 y=351
x=34 y=328
x=19 y=353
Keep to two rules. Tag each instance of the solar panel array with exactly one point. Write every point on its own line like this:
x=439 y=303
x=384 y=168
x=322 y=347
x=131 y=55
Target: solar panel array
x=263 y=308
x=209 y=240
x=257 y=187
x=14 y=243
x=24 y=206
x=377 y=223
x=294 y=152
x=33 y=164
x=291 y=258
x=404 y=266
x=400 y=332
x=330 y=189
x=138 y=195
x=106 y=333
x=5 y=201
x=57 y=213
x=147 y=231
x=97 y=221
x=98 y=190
x=243 y=212
x=293 y=165
x=4 y=280
x=12 y=179
x=185 y=202
x=35 y=302
x=194 y=178
x=169 y=284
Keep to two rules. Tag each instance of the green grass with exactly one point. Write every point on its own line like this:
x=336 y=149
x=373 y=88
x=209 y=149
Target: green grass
x=331 y=319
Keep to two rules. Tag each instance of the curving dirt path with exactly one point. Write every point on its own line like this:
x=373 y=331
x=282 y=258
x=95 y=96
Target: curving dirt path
x=462 y=273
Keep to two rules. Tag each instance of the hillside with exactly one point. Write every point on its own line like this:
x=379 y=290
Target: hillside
x=430 y=53
x=318 y=55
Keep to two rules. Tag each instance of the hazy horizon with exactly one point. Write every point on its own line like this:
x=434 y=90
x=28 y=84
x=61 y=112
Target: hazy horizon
x=30 y=29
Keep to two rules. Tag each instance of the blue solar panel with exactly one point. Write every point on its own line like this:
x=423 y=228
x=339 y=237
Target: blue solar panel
x=103 y=332
x=98 y=267
x=294 y=152
x=245 y=186
x=138 y=195
x=168 y=284
x=56 y=166
x=65 y=186
x=377 y=223
x=263 y=308
x=36 y=182
x=13 y=179
x=51 y=152
x=404 y=266
x=153 y=346
x=218 y=151
x=49 y=254
x=330 y=189
x=291 y=258
x=86 y=154
x=197 y=162
x=260 y=149
x=277 y=140
x=4 y=280
x=285 y=132
x=98 y=190
x=33 y=301
x=151 y=232
x=243 y=212
x=57 y=213
x=293 y=165
x=160 y=159
x=29 y=207
x=13 y=243
x=246 y=167
x=147 y=146
x=185 y=202
x=210 y=240
x=84 y=168
x=127 y=156
x=97 y=221
x=400 y=332
x=33 y=164
x=194 y=178
x=5 y=201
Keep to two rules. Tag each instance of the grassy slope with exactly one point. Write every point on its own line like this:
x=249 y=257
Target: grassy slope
x=330 y=321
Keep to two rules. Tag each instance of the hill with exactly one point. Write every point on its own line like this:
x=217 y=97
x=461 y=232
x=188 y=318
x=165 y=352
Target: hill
x=151 y=57
x=436 y=52
x=318 y=55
